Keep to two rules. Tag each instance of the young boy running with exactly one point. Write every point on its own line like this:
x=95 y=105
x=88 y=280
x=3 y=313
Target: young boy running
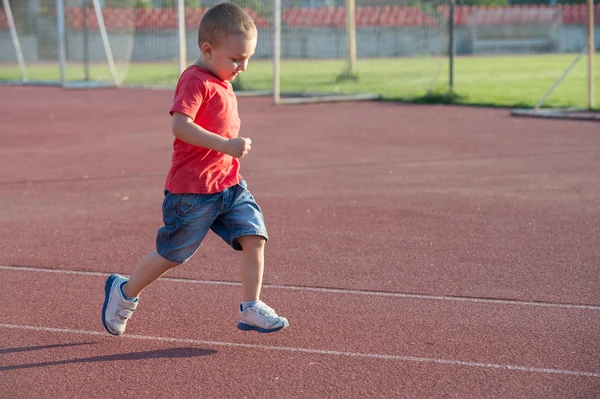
x=204 y=189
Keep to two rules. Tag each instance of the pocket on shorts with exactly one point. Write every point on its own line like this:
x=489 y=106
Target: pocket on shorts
x=245 y=192
x=185 y=203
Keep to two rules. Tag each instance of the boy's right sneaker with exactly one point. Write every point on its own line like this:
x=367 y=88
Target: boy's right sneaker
x=116 y=309
x=262 y=318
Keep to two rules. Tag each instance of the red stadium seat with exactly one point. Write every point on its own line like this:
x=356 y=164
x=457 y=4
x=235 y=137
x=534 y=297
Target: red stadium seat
x=3 y=20
x=166 y=18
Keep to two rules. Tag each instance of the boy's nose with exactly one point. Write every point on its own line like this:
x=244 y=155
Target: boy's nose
x=243 y=66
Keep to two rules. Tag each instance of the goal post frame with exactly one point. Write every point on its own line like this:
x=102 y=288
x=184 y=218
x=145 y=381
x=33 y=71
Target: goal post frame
x=301 y=98
x=591 y=53
x=62 y=54
x=588 y=113
x=15 y=40
x=61 y=63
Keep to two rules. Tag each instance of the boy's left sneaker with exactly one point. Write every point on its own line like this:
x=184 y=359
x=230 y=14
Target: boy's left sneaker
x=262 y=318
x=116 y=309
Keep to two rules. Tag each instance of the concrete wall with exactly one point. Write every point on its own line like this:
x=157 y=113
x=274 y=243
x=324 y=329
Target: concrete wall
x=315 y=43
x=29 y=46
x=573 y=38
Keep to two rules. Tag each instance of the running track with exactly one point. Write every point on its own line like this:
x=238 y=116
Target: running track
x=418 y=251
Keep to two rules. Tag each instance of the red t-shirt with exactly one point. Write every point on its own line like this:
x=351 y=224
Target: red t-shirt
x=212 y=104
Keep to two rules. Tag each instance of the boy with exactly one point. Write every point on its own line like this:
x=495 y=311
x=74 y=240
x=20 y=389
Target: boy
x=204 y=189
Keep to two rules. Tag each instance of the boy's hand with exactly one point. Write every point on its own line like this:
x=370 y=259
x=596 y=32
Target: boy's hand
x=238 y=147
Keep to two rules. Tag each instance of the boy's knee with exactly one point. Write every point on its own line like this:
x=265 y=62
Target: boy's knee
x=168 y=263
x=251 y=242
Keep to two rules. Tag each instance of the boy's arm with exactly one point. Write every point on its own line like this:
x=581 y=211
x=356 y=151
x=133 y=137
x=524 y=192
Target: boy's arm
x=184 y=128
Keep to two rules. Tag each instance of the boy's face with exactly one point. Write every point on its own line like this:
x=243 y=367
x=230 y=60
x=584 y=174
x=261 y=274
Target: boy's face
x=230 y=57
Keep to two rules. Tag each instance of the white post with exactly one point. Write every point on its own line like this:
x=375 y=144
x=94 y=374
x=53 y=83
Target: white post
x=351 y=36
x=15 y=39
x=105 y=42
x=590 y=55
x=276 y=50
x=182 y=39
x=60 y=26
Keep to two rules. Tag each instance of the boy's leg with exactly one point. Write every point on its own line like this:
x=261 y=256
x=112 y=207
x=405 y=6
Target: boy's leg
x=255 y=314
x=187 y=219
x=252 y=266
x=241 y=225
x=121 y=294
x=150 y=268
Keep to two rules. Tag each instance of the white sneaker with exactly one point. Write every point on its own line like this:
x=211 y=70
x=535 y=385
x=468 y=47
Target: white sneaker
x=261 y=318
x=116 y=309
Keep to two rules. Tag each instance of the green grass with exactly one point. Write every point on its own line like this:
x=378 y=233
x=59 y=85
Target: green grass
x=505 y=81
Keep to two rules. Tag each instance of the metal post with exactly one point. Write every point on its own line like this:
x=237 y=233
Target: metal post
x=107 y=49
x=590 y=55
x=451 y=44
x=351 y=36
x=60 y=26
x=182 y=39
x=560 y=79
x=86 y=47
x=276 y=49
x=15 y=39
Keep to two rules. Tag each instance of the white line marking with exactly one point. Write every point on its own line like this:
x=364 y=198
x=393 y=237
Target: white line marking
x=325 y=290
x=312 y=351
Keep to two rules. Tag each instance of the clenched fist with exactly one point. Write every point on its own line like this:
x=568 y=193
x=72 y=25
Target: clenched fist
x=239 y=146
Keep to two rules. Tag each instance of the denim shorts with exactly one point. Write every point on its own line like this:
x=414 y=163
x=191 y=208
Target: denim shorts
x=231 y=214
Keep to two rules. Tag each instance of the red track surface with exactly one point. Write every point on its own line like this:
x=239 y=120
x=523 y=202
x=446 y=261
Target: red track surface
x=439 y=204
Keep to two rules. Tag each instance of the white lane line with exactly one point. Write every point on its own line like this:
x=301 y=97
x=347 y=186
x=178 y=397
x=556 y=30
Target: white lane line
x=327 y=290
x=313 y=351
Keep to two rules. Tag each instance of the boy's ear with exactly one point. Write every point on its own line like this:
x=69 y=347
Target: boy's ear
x=206 y=49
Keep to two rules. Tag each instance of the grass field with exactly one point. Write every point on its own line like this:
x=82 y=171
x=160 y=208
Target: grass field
x=507 y=81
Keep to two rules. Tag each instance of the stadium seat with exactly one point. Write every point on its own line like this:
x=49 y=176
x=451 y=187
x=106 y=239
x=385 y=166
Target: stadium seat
x=166 y=18
x=3 y=20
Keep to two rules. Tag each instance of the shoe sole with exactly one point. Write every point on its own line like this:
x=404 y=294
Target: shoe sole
x=107 y=288
x=248 y=327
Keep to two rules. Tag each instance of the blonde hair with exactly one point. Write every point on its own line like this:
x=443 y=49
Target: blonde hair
x=224 y=19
